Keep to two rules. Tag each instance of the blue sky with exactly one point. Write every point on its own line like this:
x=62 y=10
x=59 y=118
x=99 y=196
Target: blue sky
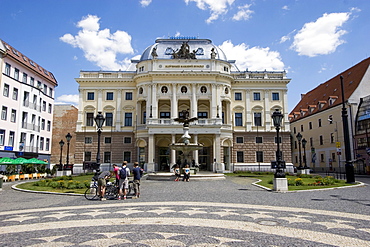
x=313 y=40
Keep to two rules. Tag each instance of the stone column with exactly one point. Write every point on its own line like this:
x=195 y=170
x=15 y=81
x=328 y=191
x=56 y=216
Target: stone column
x=151 y=153
x=267 y=114
x=174 y=107
x=248 y=111
x=173 y=152
x=194 y=105
x=154 y=101
x=213 y=102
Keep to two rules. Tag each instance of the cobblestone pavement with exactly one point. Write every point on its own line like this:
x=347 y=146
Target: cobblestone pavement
x=231 y=212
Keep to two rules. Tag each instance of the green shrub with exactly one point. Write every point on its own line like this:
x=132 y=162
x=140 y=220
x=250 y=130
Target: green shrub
x=298 y=181
x=271 y=181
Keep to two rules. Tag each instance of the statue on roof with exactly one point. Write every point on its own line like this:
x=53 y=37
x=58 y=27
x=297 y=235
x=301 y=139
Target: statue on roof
x=184 y=52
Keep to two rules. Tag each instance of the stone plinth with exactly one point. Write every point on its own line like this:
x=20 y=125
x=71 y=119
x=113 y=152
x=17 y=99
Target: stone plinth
x=280 y=184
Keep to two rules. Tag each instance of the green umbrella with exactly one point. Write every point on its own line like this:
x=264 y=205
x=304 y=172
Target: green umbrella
x=7 y=161
x=20 y=161
x=36 y=161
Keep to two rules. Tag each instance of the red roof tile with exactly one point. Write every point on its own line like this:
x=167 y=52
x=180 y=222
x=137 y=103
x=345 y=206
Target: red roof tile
x=15 y=54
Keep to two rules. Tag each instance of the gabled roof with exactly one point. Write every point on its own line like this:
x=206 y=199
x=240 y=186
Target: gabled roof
x=22 y=59
x=331 y=89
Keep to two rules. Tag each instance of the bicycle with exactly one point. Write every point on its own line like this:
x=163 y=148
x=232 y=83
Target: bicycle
x=111 y=190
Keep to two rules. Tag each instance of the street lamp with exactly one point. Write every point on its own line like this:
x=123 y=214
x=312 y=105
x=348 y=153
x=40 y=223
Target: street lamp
x=277 y=117
x=99 y=120
x=304 y=142
x=61 y=144
x=350 y=172
x=299 y=138
x=68 y=138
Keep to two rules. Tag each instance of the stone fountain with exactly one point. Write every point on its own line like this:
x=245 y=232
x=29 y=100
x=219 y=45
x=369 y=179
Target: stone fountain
x=184 y=144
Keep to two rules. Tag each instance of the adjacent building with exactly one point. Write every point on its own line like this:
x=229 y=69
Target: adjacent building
x=26 y=101
x=64 y=118
x=318 y=118
x=173 y=75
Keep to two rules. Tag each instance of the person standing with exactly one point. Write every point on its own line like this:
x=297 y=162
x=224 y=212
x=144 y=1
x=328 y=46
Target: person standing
x=138 y=172
x=116 y=172
x=124 y=173
x=102 y=183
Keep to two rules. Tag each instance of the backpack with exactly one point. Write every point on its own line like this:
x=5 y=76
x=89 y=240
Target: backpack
x=122 y=173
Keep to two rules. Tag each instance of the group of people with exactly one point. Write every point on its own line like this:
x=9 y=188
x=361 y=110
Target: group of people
x=186 y=171
x=121 y=174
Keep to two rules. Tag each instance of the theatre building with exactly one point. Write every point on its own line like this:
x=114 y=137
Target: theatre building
x=233 y=110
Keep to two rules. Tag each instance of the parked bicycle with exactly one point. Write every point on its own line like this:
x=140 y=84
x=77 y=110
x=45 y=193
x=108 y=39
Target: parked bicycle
x=111 y=190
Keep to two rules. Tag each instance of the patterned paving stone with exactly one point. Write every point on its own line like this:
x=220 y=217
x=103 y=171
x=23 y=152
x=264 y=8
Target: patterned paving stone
x=179 y=223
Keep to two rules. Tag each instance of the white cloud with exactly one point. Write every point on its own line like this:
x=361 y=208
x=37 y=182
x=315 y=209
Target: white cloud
x=321 y=37
x=67 y=99
x=100 y=46
x=244 y=13
x=216 y=8
x=145 y=3
x=285 y=7
x=255 y=58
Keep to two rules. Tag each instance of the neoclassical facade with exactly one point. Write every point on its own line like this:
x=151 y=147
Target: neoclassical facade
x=233 y=109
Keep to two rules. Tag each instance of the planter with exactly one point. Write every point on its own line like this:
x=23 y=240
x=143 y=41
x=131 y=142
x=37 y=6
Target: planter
x=26 y=176
x=11 y=178
x=21 y=177
x=34 y=175
x=17 y=177
x=5 y=178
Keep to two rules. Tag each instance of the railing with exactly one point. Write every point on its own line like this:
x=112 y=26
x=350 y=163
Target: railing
x=166 y=121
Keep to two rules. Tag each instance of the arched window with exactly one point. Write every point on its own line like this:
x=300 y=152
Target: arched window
x=141 y=90
x=184 y=89
x=226 y=90
x=203 y=89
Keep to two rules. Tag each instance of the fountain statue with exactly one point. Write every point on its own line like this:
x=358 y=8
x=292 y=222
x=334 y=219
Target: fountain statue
x=184 y=144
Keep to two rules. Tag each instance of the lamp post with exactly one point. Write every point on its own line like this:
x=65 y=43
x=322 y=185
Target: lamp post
x=99 y=120
x=61 y=144
x=304 y=142
x=350 y=171
x=277 y=117
x=68 y=138
x=299 y=138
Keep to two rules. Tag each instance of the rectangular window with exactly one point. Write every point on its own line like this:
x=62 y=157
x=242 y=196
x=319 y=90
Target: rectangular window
x=43 y=105
x=32 y=81
x=24 y=79
x=107 y=140
x=89 y=119
x=88 y=140
x=6 y=90
x=239 y=139
x=42 y=143
x=2 y=137
x=311 y=141
x=331 y=137
x=319 y=122
x=15 y=93
x=48 y=126
x=302 y=128
x=11 y=138
x=87 y=156
x=49 y=108
x=42 y=124
x=202 y=114
x=16 y=74
x=333 y=156
x=47 y=144
x=7 y=69
x=50 y=92
x=128 y=119
x=109 y=96
x=106 y=157
x=310 y=125
x=238 y=119
x=128 y=96
x=240 y=156
x=127 y=140
x=256 y=96
x=108 y=119
x=258 y=139
x=321 y=140
x=294 y=130
x=238 y=96
x=4 y=113
x=259 y=156
x=144 y=118
x=322 y=158
x=164 y=115
x=45 y=89
x=127 y=157
x=90 y=95
x=275 y=96
x=279 y=139
x=257 y=119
